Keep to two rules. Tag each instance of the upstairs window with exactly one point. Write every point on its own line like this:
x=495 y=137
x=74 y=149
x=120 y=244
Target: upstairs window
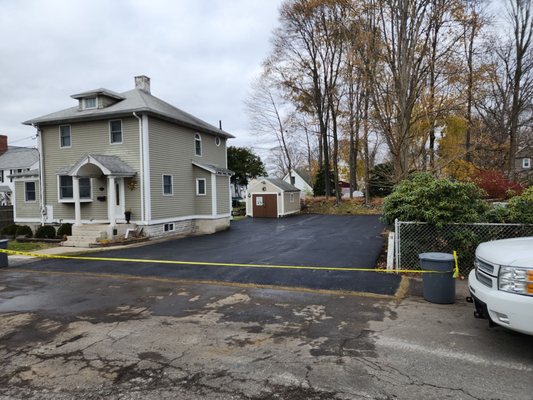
x=29 y=192
x=167 y=185
x=115 y=131
x=293 y=180
x=526 y=163
x=89 y=102
x=64 y=136
x=66 y=188
x=198 y=145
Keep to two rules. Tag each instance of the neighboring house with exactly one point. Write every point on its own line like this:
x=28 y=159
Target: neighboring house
x=301 y=179
x=271 y=198
x=523 y=165
x=118 y=152
x=14 y=159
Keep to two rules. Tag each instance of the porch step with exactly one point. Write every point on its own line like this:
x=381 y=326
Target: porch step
x=87 y=235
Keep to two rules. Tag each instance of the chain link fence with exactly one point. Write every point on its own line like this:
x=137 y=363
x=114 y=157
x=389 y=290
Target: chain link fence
x=413 y=238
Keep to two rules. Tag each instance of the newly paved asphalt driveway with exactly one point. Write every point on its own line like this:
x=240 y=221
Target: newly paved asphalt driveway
x=309 y=240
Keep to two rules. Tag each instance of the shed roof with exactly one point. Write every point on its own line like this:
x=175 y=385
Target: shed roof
x=281 y=184
x=135 y=100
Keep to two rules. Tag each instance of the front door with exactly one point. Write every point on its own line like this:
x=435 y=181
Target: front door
x=119 y=199
x=265 y=205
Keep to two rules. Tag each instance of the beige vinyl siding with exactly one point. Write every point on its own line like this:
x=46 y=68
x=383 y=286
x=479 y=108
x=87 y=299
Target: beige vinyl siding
x=172 y=152
x=223 y=206
x=202 y=203
x=291 y=207
x=30 y=209
x=256 y=187
x=90 y=137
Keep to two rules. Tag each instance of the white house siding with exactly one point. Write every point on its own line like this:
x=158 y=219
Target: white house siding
x=172 y=152
x=299 y=183
x=223 y=205
x=86 y=138
x=30 y=210
x=291 y=208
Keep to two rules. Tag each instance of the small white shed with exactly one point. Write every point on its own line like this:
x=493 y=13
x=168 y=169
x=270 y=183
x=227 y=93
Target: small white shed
x=271 y=198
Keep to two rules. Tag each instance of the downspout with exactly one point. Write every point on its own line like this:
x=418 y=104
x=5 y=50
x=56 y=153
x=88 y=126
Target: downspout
x=142 y=163
x=41 y=174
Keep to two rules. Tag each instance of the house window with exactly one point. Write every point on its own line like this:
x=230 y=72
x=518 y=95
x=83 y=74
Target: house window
x=64 y=136
x=167 y=185
x=200 y=187
x=292 y=198
x=66 y=188
x=29 y=192
x=169 y=227
x=198 y=145
x=217 y=140
x=526 y=163
x=2 y=175
x=89 y=102
x=115 y=131
x=293 y=180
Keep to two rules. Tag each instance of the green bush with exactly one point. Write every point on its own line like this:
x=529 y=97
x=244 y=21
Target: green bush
x=45 y=232
x=10 y=230
x=424 y=198
x=24 y=230
x=521 y=207
x=380 y=182
x=498 y=214
x=64 y=229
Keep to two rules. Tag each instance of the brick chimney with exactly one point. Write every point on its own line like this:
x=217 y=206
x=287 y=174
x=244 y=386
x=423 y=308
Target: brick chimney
x=142 y=82
x=3 y=144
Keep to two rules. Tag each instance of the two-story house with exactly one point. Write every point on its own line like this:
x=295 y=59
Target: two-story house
x=120 y=154
x=14 y=159
x=523 y=165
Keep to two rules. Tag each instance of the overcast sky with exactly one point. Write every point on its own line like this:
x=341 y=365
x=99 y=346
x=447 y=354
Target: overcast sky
x=201 y=55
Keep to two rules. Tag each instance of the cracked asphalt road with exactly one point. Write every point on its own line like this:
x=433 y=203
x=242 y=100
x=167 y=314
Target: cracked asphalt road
x=90 y=337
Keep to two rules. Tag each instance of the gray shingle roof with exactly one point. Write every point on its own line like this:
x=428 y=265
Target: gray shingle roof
x=287 y=187
x=5 y=189
x=114 y=164
x=18 y=158
x=135 y=100
x=213 y=168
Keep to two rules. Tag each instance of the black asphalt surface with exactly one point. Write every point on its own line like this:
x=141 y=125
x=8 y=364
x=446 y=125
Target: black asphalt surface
x=303 y=240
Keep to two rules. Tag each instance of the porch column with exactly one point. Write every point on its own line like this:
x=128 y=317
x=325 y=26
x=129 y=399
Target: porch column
x=76 y=196
x=111 y=199
x=213 y=194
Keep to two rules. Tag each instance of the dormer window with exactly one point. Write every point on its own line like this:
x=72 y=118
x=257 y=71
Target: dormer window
x=89 y=102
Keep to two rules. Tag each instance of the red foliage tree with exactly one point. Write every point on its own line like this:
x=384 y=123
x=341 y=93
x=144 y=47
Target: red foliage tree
x=497 y=185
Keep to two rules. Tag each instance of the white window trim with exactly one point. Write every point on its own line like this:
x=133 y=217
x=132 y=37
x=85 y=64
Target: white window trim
x=84 y=103
x=171 y=185
x=526 y=163
x=205 y=187
x=70 y=135
x=291 y=197
x=167 y=227
x=121 y=132
x=198 y=137
x=71 y=199
x=218 y=141
x=25 y=192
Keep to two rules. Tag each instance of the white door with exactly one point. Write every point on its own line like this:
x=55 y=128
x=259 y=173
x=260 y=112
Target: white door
x=119 y=199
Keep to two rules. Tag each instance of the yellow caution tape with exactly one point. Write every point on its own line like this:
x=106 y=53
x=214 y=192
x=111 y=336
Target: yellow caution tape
x=214 y=264
x=456 y=269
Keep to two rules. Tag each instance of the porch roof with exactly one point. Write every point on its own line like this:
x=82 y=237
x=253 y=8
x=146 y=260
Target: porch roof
x=110 y=165
x=214 y=169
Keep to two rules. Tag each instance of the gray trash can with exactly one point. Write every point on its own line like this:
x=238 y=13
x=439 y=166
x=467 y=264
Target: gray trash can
x=438 y=287
x=3 y=256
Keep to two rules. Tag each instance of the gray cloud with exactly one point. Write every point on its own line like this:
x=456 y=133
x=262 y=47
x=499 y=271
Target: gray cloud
x=201 y=55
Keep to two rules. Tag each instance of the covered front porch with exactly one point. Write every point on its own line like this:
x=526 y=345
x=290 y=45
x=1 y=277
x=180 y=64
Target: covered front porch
x=99 y=178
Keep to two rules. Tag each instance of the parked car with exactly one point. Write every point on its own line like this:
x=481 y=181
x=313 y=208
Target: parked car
x=501 y=285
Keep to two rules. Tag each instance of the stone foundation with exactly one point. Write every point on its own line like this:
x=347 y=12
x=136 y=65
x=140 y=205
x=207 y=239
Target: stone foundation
x=188 y=227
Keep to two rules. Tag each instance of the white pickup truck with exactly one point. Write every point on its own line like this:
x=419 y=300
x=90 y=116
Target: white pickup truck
x=501 y=285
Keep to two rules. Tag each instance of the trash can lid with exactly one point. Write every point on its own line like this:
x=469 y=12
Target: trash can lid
x=444 y=257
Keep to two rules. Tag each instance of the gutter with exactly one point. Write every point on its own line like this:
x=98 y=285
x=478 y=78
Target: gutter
x=141 y=147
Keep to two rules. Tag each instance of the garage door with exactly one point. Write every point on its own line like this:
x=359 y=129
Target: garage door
x=265 y=205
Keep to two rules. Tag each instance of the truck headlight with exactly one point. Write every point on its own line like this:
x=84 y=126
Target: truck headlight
x=516 y=280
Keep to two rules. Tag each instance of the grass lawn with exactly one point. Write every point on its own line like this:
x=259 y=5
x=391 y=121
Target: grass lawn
x=28 y=246
x=323 y=205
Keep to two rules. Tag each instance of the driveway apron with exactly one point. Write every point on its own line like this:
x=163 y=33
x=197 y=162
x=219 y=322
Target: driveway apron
x=303 y=240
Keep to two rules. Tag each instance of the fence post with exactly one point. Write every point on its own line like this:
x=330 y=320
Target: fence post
x=397 y=243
